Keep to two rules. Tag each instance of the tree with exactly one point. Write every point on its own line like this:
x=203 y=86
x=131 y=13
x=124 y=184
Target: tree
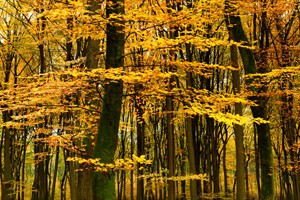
x=91 y=91
x=107 y=138
x=259 y=111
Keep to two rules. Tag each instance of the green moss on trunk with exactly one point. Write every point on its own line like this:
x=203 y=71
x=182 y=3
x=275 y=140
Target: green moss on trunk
x=107 y=139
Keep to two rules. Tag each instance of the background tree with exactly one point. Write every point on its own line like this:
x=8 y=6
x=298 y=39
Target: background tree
x=144 y=96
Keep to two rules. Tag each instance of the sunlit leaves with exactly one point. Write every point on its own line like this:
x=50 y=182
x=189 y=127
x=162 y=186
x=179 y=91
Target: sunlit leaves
x=119 y=164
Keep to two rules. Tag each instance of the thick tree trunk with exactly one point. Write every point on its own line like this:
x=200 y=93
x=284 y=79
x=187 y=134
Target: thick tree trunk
x=81 y=180
x=263 y=130
x=265 y=152
x=107 y=139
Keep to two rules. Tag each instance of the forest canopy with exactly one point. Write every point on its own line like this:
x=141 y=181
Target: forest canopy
x=149 y=99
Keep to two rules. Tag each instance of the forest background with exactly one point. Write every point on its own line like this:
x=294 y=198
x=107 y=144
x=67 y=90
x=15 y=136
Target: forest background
x=148 y=99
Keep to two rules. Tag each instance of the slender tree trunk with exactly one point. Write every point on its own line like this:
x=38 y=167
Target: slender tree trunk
x=190 y=132
x=55 y=174
x=140 y=125
x=238 y=129
x=170 y=149
x=131 y=153
x=140 y=144
x=7 y=184
x=40 y=188
x=170 y=110
x=7 y=180
x=288 y=122
x=24 y=141
x=191 y=156
x=40 y=185
x=224 y=165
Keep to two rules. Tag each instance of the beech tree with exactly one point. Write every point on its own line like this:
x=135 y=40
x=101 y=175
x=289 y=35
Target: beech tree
x=149 y=99
x=107 y=138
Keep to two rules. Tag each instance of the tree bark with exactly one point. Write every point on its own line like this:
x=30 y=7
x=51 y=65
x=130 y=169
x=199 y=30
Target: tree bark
x=238 y=129
x=140 y=124
x=263 y=130
x=40 y=189
x=190 y=132
x=107 y=139
x=7 y=184
x=170 y=148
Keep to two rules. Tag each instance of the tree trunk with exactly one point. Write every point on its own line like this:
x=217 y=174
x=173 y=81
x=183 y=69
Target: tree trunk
x=55 y=173
x=140 y=124
x=107 y=139
x=263 y=130
x=170 y=149
x=238 y=129
x=190 y=132
x=288 y=121
x=40 y=189
x=7 y=180
x=191 y=156
x=85 y=177
x=7 y=184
